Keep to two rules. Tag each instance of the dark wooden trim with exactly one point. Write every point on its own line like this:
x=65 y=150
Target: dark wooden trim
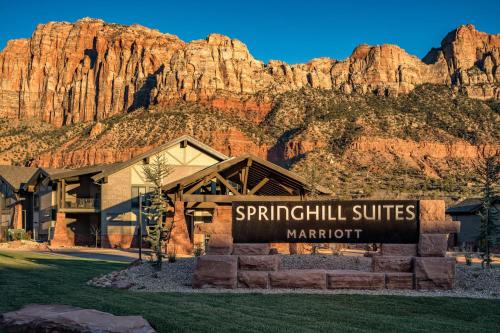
x=258 y=186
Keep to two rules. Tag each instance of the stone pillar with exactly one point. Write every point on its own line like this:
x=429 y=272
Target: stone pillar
x=17 y=221
x=62 y=236
x=180 y=236
x=432 y=269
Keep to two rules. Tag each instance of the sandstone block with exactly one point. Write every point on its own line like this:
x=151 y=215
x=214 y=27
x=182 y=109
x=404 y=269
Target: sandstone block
x=432 y=210
x=216 y=271
x=392 y=264
x=259 y=263
x=348 y=279
x=407 y=250
x=439 y=227
x=433 y=219
x=220 y=244
x=398 y=280
x=251 y=249
x=298 y=278
x=434 y=273
x=253 y=279
x=433 y=245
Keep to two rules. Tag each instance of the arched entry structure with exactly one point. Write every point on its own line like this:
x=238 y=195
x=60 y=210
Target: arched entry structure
x=202 y=201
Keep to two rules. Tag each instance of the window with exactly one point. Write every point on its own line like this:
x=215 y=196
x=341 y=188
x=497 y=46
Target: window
x=136 y=192
x=202 y=216
x=36 y=202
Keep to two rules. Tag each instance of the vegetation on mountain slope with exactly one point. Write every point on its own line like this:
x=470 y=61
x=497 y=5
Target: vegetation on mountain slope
x=364 y=145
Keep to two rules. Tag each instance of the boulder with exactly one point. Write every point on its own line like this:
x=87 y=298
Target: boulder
x=65 y=318
x=408 y=250
x=216 y=271
x=298 y=278
x=392 y=264
x=253 y=279
x=220 y=244
x=434 y=273
x=398 y=280
x=259 y=263
x=433 y=245
x=349 y=279
x=251 y=249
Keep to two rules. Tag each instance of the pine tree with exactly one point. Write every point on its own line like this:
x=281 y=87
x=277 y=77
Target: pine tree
x=158 y=228
x=488 y=168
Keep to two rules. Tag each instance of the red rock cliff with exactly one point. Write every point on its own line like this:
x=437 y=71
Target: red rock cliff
x=90 y=70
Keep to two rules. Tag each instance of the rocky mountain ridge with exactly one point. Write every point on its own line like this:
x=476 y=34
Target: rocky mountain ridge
x=68 y=73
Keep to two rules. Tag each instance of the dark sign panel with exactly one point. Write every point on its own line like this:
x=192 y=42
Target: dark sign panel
x=363 y=221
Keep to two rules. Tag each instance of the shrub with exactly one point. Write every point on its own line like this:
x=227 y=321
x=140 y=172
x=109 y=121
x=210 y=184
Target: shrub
x=17 y=234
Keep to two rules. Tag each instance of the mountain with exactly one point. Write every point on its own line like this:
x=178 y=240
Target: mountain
x=90 y=70
x=379 y=123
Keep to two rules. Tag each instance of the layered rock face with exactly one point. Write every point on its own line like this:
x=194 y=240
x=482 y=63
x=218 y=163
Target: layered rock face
x=90 y=70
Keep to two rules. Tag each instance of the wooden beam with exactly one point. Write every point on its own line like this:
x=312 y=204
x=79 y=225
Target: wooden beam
x=175 y=158
x=258 y=186
x=245 y=172
x=63 y=193
x=201 y=183
x=201 y=205
x=286 y=188
x=231 y=198
x=226 y=183
x=195 y=157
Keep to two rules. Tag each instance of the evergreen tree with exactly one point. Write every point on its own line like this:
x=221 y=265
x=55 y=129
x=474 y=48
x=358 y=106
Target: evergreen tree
x=488 y=168
x=158 y=227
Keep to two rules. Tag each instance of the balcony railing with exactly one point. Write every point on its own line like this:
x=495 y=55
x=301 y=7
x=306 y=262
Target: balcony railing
x=83 y=203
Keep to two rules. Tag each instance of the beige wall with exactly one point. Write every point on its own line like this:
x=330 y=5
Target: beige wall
x=117 y=215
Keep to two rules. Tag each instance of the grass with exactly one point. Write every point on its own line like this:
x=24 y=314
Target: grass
x=40 y=278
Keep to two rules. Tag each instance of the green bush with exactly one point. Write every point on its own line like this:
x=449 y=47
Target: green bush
x=17 y=234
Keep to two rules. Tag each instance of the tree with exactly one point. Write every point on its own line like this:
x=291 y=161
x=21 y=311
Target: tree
x=159 y=229
x=488 y=169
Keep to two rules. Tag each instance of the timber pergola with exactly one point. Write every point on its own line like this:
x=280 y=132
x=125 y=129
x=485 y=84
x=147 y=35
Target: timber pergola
x=242 y=178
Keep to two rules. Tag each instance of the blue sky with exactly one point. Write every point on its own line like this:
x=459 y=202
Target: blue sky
x=293 y=31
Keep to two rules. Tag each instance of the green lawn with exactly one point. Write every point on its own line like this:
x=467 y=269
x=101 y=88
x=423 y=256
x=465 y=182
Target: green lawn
x=37 y=278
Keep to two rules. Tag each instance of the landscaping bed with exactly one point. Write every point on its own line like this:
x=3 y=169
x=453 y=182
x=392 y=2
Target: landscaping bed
x=471 y=281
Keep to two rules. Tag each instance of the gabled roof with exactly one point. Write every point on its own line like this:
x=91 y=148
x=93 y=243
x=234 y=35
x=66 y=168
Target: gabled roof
x=16 y=176
x=261 y=169
x=81 y=171
x=467 y=206
x=192 y=141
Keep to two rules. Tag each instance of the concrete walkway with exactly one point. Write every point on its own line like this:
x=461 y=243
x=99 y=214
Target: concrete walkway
x=121 y=255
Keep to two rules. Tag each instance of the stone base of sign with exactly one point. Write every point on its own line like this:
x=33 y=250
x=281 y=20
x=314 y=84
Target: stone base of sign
x=251 y=249
x=434 y=273
x=397 y=280
x=259 y=263
x=392 y=264
x=253 y=279
x=398 y=266
x=345 y=279
x=220 y=244
x=216 y=271
x=298 y=279
x=432 y=245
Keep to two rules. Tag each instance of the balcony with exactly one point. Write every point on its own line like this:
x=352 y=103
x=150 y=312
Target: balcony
x=80 y=205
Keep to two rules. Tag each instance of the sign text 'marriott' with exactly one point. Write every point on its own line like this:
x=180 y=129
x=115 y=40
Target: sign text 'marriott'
x=380 y=221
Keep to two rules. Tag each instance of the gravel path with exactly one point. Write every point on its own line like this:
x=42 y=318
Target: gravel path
x=471 y=281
